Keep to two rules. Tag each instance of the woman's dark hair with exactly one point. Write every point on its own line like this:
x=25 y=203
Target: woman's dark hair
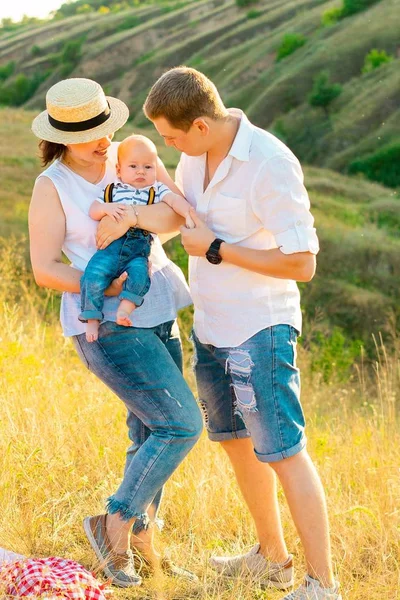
x=50 y=150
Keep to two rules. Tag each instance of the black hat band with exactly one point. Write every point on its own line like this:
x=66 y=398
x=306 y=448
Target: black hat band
x=82 y=125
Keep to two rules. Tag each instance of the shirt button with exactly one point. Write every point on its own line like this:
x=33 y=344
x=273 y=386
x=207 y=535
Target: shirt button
x=298 y=222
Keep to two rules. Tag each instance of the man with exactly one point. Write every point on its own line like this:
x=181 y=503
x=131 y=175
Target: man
x=254 y=238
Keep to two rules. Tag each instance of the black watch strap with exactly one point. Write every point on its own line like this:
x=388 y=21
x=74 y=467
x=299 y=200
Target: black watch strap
x=213 y=256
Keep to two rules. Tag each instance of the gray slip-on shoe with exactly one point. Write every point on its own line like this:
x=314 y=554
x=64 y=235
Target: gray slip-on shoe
x=256 y=567
x=119 y=568
x=311 y=589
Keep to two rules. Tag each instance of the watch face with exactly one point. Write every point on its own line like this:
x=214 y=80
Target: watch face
x=213 y=259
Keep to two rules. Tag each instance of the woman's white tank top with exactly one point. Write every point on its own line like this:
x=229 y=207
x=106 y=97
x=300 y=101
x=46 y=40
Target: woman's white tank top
x=168 y=291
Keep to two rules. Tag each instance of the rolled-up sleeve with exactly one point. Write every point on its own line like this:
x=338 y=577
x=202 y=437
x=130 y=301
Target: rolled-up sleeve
x=281 y=202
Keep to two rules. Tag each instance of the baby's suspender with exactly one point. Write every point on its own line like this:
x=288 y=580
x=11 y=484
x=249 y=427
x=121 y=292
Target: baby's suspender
x=108 y=194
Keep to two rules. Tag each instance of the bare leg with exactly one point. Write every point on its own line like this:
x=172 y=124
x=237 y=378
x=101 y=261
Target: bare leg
x=123 y=313
x=92 y=330
x=257 y=483
x=306 y=499
x=143 y=542
x=119 y=533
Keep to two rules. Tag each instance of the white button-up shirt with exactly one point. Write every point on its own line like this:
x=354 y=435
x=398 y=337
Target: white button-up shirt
x=256 y=199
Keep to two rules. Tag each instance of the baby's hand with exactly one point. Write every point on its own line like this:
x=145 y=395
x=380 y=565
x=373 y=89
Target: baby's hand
x=116 y=211
x=189 y=222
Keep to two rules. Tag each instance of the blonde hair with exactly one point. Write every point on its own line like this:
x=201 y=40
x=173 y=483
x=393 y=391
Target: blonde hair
x=136 y=141
x=182 y=95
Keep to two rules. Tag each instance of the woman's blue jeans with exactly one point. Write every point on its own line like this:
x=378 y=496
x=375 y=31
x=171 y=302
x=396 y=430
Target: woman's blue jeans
x=143 y=368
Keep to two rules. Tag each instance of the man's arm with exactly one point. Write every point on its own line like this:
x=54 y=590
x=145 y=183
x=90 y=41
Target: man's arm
x=280 y=201
x=299 y=266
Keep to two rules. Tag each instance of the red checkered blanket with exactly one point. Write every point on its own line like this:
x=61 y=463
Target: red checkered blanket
x=49 y=578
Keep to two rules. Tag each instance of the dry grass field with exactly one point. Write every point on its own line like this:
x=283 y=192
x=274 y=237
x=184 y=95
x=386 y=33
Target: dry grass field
x=63 y=440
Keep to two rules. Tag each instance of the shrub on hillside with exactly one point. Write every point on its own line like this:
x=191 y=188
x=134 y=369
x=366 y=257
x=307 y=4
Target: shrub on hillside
x=20 y=89
x=119 y=6
x=103 y=6
x=7 y=70
x=36 y=50
x=331 y=16
x=289 y=44
x=375 y=59
x=253 y=13
x=244 y=3
x=84 y=9
x=72 y=51
x=351 y=7
x=323 y=91
x=129 y=22
x=382 y=165
x=70 y=56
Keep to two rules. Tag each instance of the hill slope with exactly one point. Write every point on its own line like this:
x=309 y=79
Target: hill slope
x=126 y=51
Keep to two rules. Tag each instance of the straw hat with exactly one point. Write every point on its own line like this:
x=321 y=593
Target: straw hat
x=79 y=111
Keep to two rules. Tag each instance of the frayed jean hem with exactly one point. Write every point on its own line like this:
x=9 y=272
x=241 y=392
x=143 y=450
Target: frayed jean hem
x=142 y=520
x=126 y=512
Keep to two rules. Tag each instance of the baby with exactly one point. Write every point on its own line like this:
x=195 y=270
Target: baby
x=136 y=170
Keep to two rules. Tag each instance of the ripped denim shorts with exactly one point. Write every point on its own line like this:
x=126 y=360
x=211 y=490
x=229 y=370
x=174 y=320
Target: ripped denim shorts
x=253 y=390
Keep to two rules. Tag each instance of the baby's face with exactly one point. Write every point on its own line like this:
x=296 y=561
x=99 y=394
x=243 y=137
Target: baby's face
x=137 y=167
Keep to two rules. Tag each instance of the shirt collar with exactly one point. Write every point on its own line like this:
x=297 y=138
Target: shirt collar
x=240 y=148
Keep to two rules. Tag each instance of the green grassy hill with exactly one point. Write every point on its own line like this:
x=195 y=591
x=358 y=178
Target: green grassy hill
x=237 y=47
x=355 y=291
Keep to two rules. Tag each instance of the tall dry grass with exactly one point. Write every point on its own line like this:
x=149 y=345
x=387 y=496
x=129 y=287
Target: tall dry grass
x=62 y=448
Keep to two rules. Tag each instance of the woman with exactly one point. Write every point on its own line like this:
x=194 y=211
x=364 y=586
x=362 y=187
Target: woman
x=141 y=364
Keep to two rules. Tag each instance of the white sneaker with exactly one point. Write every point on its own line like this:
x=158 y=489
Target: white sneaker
x=254 y=565
x=311 y=589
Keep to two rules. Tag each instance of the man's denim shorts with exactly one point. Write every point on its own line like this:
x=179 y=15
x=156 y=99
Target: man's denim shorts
x=253 y=390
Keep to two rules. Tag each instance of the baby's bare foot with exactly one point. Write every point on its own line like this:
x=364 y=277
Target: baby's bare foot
x=124 y=311
x=92 y=330
x=123 y=318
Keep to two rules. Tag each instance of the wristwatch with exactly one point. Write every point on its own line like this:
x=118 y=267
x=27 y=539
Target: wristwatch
x=213 y=256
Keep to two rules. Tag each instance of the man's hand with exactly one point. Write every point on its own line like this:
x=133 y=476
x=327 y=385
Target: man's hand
x=115 y=288
x=196 y=241
x=108 y=231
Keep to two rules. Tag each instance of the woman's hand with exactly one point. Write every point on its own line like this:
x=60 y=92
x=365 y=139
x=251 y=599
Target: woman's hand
x=116 y=286
x=108 y=230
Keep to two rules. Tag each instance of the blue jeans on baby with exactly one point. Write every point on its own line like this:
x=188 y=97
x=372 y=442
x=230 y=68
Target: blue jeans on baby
x=129 y=253
x=142 y=367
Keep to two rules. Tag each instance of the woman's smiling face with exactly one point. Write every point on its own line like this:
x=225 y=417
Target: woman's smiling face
x=96 y=151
